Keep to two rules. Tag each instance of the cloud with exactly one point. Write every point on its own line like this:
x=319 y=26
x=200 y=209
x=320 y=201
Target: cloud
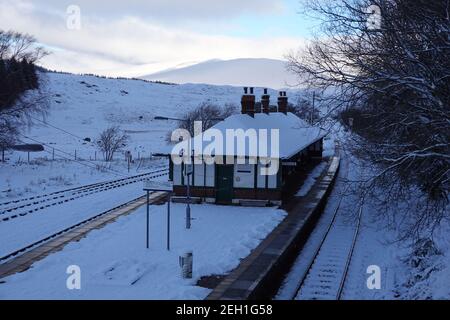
x=131 y=45
x=167 y=9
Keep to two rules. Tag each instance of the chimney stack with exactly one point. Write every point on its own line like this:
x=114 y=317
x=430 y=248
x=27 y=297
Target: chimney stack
x=265 y=102
x=248 y=102
x=283 y=102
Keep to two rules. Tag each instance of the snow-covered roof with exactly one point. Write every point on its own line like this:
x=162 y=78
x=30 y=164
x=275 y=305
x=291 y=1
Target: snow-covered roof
x=294 y=135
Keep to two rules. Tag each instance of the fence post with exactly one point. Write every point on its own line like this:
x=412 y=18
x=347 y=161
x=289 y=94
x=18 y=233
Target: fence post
x=28 y=157
x=53 y=154
x=75 y=154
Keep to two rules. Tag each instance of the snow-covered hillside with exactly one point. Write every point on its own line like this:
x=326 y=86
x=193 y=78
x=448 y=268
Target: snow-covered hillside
x=83 y=106
x=239 y=72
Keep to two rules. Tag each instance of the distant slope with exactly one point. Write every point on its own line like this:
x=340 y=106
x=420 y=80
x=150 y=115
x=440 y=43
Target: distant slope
x=239 y=72
x=85 y=105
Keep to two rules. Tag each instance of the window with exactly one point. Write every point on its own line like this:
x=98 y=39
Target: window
x=188 y=168
x=210 y=175
x=244 y=176
x=272 y=180
x=199 y=175
x=177 y=175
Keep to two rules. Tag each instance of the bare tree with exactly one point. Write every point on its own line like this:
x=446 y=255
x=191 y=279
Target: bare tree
x=209 y=114
x=110 y=141
x=393 y=83
x=305 y=109
x=18 y=46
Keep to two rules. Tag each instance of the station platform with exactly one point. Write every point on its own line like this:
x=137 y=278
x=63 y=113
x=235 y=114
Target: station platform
x=260 y=274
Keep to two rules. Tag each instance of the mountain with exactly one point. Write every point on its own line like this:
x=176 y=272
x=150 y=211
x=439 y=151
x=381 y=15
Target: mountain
x=238 y=72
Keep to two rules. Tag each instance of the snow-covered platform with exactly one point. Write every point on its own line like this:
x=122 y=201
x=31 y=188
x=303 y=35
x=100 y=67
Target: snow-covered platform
x=260 y=274
x=115 y=263
x=22 y=261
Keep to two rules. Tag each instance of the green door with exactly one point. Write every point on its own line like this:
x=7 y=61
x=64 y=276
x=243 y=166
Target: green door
x=224 y=183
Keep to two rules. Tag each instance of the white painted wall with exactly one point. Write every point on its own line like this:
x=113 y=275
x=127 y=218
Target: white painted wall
x=244 y=176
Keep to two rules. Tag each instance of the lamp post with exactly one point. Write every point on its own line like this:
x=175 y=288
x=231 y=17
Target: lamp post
x=186 y=173
x=188 y=206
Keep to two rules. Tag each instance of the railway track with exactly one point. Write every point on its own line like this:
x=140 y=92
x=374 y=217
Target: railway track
x=326 y=274
x=322 y=267
x=34 y=204
x=112 y=213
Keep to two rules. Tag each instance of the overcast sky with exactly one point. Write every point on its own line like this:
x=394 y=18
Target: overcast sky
x=136 y=37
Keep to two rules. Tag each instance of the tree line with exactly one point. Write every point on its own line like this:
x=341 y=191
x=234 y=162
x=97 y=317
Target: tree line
x=18 y=74
x=390 y=83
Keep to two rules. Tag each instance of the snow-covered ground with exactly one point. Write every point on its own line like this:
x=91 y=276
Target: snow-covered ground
x=311 y=179
x=113 y=258
x=116 y=265
x=372 y=247
x=114 y=261
x=25 y=230
x=81 y=107
x=408 y=271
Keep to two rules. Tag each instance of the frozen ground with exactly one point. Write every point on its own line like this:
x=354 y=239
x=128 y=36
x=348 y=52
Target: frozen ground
x=20 y=179
x=311 y=179
x=113 y=260
x=372 y=247
x=84 y=106
x=116 y=265
x=407 y=271
x=81 y=107
x=25 y=230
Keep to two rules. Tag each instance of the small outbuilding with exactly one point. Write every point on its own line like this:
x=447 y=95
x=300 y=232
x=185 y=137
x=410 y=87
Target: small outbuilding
x=235 y=171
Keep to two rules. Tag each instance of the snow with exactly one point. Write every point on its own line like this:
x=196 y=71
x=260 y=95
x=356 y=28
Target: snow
x=425 y=274
x=328 y=146
x=294 y=135
x=116 y=265
x=85 y=105
x=42 y=175
x=374 y=245
x=23 y=231
x=113 y=260
x=311 y=179
x=269 y=73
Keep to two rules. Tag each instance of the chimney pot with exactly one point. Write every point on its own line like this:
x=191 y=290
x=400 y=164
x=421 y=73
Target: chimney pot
x=265 y=102
x=248 y=102
x=282 y=102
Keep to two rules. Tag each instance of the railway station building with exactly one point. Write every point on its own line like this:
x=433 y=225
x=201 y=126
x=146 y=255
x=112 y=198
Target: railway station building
x=245 y=174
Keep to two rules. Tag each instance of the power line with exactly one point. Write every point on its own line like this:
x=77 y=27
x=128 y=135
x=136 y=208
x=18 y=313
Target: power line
x=62 y=130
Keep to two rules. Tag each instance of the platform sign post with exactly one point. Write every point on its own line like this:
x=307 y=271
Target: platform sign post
x=168 y=221
x=158 y=186
x=148 y=219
